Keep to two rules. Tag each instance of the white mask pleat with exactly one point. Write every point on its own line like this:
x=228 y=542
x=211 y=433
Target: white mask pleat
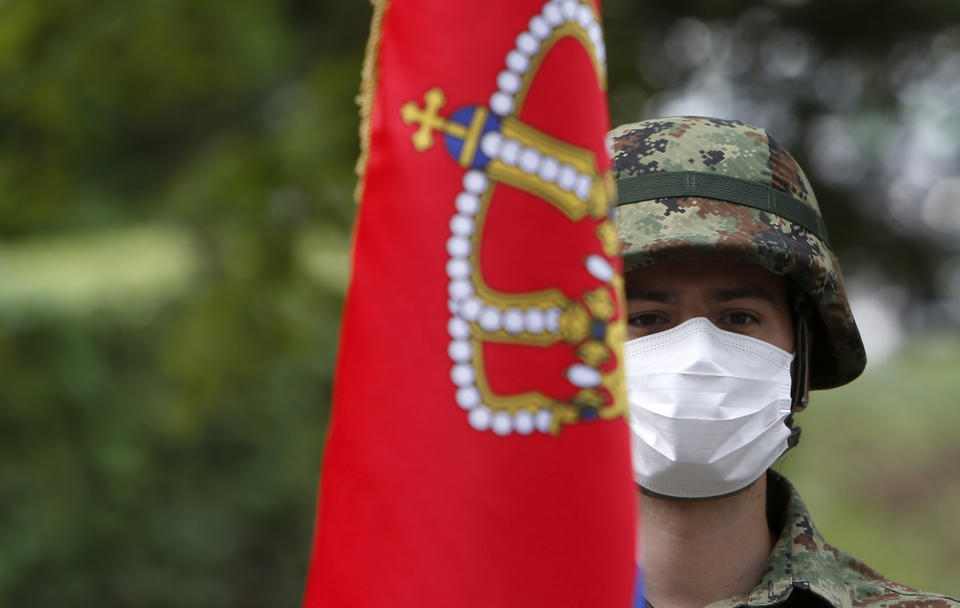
x=707 y=409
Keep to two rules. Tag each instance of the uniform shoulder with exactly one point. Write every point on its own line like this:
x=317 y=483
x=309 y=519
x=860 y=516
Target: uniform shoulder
x=869 y=589
x=835 y=575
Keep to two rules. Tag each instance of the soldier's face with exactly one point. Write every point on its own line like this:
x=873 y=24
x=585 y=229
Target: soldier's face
x=738 y=297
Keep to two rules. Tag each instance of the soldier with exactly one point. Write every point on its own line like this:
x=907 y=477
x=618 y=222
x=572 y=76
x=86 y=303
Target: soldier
x=736 y=308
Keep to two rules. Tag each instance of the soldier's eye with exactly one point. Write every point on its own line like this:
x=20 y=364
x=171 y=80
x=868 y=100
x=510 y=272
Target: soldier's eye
x=647 y=319
x=739 y=318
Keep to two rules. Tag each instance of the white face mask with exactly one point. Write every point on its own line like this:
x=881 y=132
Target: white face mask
x=707 y=409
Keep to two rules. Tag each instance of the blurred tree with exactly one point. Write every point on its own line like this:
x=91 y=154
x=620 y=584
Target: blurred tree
x=862 y=101
x=166 y=454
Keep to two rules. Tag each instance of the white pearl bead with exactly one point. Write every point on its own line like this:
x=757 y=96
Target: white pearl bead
x=508 y=82
x=533 y=321
x=527 y=44
x=462 y=374
x=599 y=267
x=583 y=376
x=551 y=14
x=523 y=422
x=479 y=418
x=582 y=186
x=470 y=309
x=490 y=144
x=595 y=32
x=501 y=103
x=490 y=319
x=539 y=27
x=475 y=182
x=468 y=397
x=543 y=420
x=461 y=225
x=458 y=246
x=552 y=320
x=458 y=328
x=567 y=177
x=513 y=321
x=460 y=351
x=501 y=423
x=458 y=268
x=510 y=151
x=460 y=289
x=529 y=160
x=517 y=62
x=584 y=16
x=569 y=9
x=549 y=169
x=467 y=203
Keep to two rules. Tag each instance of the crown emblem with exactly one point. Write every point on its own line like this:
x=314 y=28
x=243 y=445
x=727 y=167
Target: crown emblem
x=497 y=149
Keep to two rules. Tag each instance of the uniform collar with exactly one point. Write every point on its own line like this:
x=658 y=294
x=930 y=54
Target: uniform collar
x=800 y=561
x=815 y=565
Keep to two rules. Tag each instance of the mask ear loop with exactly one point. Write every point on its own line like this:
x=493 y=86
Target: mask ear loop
x=800 y=387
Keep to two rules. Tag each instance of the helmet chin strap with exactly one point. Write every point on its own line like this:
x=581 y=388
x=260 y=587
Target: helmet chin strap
x=800 y=388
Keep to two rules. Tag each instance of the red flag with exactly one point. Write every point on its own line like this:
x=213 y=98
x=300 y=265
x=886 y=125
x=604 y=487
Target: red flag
x=478 y=453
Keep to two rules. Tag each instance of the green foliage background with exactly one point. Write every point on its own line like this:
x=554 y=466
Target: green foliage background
x=878 y=465
x=176 y=184
x=176 y=206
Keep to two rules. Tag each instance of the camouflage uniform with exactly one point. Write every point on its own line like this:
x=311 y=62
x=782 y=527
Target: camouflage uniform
x=703 y=187
x=804 y=570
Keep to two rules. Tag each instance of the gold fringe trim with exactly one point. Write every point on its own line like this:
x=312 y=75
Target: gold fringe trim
x=368 y=86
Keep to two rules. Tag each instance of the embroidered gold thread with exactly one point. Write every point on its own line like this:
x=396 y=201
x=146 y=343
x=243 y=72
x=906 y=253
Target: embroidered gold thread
x=369 y=75
x=586 y=324
x=567 y=29
x=472 y=137
x=429 y=119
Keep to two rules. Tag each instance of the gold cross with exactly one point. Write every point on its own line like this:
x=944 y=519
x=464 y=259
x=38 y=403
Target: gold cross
x=428 y=119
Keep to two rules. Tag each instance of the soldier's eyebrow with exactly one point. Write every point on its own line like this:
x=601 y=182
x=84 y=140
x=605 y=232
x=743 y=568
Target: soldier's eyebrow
x=662 y=296
x=726 y=294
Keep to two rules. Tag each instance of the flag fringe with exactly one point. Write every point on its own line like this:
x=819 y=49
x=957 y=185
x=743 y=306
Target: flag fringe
x=368 y=85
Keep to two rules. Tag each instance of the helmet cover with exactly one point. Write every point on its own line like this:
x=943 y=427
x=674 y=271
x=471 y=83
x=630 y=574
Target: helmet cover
x=695 y=186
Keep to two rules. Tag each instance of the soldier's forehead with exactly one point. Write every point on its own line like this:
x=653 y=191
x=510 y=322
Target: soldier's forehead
x=708 y=272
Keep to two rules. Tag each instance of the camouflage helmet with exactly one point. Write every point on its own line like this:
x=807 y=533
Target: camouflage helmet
x=693 y=186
